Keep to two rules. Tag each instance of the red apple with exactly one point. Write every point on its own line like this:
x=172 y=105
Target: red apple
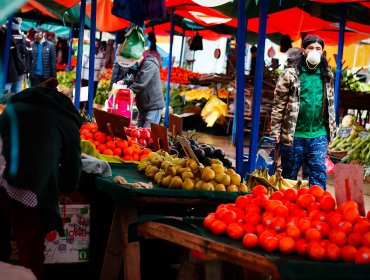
x=134 y=139
x=128 y=131
x=135 y=133
x=145 y=134
x=142 y=142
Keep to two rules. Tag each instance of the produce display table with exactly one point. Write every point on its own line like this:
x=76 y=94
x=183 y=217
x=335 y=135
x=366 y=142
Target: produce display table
x=128 y=201
x=357 y=101
x=193 y=236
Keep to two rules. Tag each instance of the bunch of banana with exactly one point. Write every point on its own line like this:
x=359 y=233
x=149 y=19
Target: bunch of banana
x=275 y=181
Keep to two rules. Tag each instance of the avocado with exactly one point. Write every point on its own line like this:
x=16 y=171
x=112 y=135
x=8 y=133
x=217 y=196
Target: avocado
x=219 y=153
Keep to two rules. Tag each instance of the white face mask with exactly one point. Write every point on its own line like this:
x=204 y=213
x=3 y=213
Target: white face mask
x=314 y=57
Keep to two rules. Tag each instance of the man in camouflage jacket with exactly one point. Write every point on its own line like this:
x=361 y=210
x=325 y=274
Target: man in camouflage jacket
x=285 y=109
x=303 y=115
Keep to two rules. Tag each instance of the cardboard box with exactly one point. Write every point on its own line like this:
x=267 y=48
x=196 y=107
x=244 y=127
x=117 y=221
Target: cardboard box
x=74 y=247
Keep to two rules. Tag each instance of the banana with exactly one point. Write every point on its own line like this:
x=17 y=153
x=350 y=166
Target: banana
x=280 y=185
x=304 y=183
x=266 y=174
x=292 y=182
x=286 y=183
x=298 y=185
x=272 y=179
x=254 y=173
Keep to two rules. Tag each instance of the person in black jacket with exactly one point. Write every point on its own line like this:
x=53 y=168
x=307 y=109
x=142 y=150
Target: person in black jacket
x=43 y=64
x=148 y=88
x=40 y=133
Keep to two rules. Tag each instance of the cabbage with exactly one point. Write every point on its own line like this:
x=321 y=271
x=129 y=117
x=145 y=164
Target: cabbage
x=348 y=121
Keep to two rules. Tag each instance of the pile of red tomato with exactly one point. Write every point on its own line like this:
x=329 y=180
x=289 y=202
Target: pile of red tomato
x=128 y=150
x=306 y=222
x=179 y=75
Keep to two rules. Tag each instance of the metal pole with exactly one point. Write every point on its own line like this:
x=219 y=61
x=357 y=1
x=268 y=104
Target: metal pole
x=90 y=99
x=79 y=53
x=338 y=73
x=257 y=95
x=7 y=51
x=70 y=41
x=240 y=76
x=166 y=114
x=182 y=47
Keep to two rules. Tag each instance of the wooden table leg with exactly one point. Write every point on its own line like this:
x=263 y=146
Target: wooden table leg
x=119 y=251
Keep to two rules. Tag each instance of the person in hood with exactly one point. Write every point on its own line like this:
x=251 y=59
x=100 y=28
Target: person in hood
x=303 y=115
x=148 y=88
x=41 y=147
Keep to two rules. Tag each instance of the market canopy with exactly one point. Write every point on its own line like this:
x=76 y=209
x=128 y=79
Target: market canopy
x=219 y=17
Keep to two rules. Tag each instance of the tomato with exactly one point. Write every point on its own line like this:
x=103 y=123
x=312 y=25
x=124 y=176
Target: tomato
x=235 y=230
x=258 y=190
x=218 y=227
x=250 y=240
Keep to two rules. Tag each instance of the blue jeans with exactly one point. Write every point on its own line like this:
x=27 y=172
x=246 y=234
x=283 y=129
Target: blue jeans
x=307 y=152
x=14 y=87
x=145 y=118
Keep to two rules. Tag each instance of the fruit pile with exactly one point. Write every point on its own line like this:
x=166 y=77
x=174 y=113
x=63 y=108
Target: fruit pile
x=203 y=152
x=197 y=94
x=140 y=135
x=182 y=173
x=305 y=221
x=127 y=150
x=179 y=75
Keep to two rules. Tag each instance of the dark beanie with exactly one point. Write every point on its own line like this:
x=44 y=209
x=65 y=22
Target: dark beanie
x=312 y=39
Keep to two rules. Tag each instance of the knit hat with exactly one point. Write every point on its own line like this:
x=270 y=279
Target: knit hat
x=312 y=39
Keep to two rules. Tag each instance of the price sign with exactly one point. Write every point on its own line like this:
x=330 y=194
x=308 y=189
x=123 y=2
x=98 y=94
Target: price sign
x=364 y=134
x=344 y=132
x=111 y=123
x=175 y=125
x=160 y=137
x=187 y=149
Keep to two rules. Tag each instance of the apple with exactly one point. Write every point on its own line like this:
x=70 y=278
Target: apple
x=135 y=133
x=142 y=142
x=128 y=131
x=134 y=139
x=145 y=134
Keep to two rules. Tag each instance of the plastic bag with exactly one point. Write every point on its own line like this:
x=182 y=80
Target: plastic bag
x=133 y=46
x=329 y=165
x=196 y=43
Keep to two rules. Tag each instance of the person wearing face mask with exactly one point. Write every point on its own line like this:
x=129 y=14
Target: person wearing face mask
x=43 y=64
x=303 y=115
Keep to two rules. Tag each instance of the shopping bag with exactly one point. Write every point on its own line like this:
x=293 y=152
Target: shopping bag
x=329 y=165
x=133 y=46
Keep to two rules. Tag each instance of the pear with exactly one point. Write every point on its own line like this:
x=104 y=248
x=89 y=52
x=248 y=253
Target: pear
x=165 y=164
x=180 y=161
x=222 y=178
x=171 y=170
x=218 y=168
x=232 y=188
x=198 y=185
x=208 y=174
x=157 y=161
x=166 y=181
x=188 y=184
x=220 y=188
x=213 y=182
x=143 y=165
x=176 y=183
x=187 y=174
x=192 y=163
x=215 y=161
x=152 y=155
x=151 y=170
x=207 y=187
x=235 y=179
x=230 y=171
x=242 y=188
x=183 y=169
x=158 y=177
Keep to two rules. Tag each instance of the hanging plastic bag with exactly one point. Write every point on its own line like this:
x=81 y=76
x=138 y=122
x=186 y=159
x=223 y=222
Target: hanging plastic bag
x=329 y=165
x=133 y=46
x=196 y=43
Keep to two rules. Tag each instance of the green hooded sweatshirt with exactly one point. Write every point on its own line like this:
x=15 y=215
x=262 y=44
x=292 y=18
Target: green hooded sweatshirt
x=310 y=123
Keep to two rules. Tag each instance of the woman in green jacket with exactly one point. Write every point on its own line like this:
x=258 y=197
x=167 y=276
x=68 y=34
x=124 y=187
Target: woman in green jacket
x=303 y=115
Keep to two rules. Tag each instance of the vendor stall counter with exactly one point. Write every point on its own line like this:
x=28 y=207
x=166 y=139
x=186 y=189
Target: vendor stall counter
x=128 y=202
